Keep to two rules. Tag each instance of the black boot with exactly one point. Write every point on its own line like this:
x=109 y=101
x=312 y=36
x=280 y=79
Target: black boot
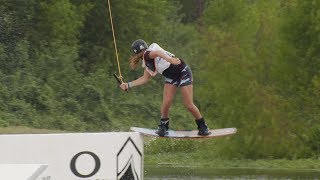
x=163 y=127
x=202 y=127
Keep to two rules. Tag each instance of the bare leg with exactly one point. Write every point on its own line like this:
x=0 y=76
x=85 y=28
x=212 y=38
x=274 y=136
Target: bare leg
x=187 y=95
x=169 y=92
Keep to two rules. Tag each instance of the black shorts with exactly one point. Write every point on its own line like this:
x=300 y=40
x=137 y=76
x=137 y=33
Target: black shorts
x=184 y=80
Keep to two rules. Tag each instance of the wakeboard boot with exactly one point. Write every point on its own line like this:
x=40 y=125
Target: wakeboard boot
x=163 y=127
x=202 y=127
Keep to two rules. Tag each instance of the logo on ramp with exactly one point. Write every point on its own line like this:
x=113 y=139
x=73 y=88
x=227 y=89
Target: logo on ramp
x=129 y=161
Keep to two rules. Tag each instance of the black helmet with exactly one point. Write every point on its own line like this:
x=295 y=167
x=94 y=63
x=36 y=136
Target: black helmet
x=138 y=46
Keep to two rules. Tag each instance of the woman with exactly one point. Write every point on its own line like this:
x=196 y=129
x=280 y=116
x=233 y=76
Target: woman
x=177 y=74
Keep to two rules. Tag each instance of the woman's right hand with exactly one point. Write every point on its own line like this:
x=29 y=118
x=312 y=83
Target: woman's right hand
x=124 y=86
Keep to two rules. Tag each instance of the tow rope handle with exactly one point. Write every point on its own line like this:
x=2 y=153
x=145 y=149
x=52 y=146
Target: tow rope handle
x=119 y=80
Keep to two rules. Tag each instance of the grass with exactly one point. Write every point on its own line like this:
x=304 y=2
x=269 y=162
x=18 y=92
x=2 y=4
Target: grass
x=194 y=160
x=205 y=154
x=26 y=130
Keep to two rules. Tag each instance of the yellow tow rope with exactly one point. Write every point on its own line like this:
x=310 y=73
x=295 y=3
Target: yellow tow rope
x=115 y=44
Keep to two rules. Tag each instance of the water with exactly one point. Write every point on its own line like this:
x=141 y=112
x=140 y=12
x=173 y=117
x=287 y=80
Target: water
x=187 y=173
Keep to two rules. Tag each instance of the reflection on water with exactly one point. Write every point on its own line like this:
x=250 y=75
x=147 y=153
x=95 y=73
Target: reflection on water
x=183 y=173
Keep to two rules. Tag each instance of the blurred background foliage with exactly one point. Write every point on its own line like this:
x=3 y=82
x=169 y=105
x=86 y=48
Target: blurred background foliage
x=255 y=65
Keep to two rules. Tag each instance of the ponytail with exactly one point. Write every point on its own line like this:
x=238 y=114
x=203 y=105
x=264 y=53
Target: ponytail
x=134 y=60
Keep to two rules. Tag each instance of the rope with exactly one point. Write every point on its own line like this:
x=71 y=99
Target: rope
x=114 y=42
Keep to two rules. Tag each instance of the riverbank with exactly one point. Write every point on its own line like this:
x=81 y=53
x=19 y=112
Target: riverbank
x=194 y=160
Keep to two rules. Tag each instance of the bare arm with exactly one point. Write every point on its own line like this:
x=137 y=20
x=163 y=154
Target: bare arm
x=140 y=81
x=172 y=60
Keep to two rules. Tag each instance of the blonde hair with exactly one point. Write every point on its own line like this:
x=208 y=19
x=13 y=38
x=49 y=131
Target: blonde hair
x=134 y=60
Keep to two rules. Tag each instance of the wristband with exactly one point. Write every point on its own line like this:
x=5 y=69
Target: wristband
x=129 y=84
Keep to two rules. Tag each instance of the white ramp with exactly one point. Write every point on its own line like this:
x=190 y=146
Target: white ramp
x=22 y=171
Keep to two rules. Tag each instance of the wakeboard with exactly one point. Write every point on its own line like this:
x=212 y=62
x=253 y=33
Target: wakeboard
x=185 y=133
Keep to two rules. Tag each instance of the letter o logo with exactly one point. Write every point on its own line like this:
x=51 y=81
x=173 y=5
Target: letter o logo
x=73 y=164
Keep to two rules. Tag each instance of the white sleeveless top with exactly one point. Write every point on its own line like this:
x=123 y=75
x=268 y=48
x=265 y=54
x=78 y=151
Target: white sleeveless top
x=160 y=63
